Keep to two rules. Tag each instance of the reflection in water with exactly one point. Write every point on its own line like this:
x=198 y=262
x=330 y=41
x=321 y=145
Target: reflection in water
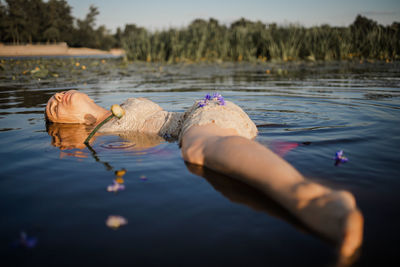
x=134 y=141
x=72 y=136
x=239 y=192
x=118 y=182
x=76 y=154
x=97 y=159
x=68 y=136
x=242 y=193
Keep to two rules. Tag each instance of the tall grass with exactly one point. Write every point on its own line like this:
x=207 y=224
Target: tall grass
x=255 y=41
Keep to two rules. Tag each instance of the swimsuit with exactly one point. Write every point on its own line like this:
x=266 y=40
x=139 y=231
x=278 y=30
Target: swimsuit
x=143 y=115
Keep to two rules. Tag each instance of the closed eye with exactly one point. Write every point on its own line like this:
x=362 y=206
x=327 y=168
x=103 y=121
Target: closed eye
x=53 y=109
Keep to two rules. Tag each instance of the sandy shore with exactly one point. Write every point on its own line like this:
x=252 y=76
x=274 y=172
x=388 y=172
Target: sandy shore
x=60 y=49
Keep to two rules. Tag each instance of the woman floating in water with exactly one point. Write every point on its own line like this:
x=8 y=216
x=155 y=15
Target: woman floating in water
x=218 y=134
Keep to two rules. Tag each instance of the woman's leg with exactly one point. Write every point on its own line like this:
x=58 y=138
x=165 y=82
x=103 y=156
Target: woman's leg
x=331 y=213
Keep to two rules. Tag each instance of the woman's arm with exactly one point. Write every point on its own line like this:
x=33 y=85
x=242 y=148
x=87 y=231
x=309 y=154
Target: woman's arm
x=331 y=213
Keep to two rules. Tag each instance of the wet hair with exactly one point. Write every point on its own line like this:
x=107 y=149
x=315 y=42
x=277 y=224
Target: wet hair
x=45 y=117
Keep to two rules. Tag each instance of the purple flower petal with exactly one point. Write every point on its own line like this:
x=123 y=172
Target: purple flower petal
x=215 y=97
x=340 y=158
x=221 y=100
x=30 y=242
x=25 y=241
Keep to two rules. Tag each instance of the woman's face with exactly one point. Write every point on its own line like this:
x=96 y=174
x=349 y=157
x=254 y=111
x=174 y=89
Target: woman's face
x=70 y=107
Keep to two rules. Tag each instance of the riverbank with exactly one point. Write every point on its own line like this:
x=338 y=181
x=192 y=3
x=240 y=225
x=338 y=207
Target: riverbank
x=59 y=49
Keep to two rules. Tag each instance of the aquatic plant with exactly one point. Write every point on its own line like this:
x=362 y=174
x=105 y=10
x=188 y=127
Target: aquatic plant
x=245 y=40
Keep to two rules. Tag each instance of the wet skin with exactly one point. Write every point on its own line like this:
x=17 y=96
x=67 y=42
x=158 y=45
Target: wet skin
x=74 y=107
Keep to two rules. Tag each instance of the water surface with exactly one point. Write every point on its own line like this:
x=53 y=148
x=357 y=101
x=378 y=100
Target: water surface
x=54 y=189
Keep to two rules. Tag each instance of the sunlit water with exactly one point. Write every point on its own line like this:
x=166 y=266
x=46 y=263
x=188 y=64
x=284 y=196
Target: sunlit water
x=304 y=112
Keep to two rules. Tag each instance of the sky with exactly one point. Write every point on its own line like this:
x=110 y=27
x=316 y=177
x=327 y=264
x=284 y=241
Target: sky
x=164 y=14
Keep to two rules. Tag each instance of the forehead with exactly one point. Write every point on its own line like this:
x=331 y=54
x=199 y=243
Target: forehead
x=51 y=100
x=51 y=103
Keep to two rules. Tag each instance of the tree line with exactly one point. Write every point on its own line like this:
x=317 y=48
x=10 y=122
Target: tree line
x=37 y=21
x=27 y=21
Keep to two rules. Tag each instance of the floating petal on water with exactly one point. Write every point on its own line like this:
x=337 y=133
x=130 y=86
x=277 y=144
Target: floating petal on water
x=116 y=221
x=115 y=187
x=340 y=158
x=25 y=241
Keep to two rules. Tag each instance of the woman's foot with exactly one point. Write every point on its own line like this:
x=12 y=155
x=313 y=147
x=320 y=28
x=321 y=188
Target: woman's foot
x=335 y=215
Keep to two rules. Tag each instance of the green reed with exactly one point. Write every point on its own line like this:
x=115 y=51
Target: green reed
x=254 y=41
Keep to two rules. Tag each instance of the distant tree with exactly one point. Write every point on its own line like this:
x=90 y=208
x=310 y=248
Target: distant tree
x=363 y=24
x=34 y=12
x=242 y=22
x=104 y=39
x=392 y=40
x=52 y=34
x=16 y=21
x=118 y=37
x=59 y=22
x=129 y=29
x=85 y=34
x=35 y=21
x=3 y=17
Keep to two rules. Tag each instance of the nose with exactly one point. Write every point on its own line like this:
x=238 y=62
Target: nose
x=58 y=96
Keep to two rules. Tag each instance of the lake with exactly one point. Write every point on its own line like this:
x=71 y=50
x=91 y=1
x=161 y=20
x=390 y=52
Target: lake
x=53 y=190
